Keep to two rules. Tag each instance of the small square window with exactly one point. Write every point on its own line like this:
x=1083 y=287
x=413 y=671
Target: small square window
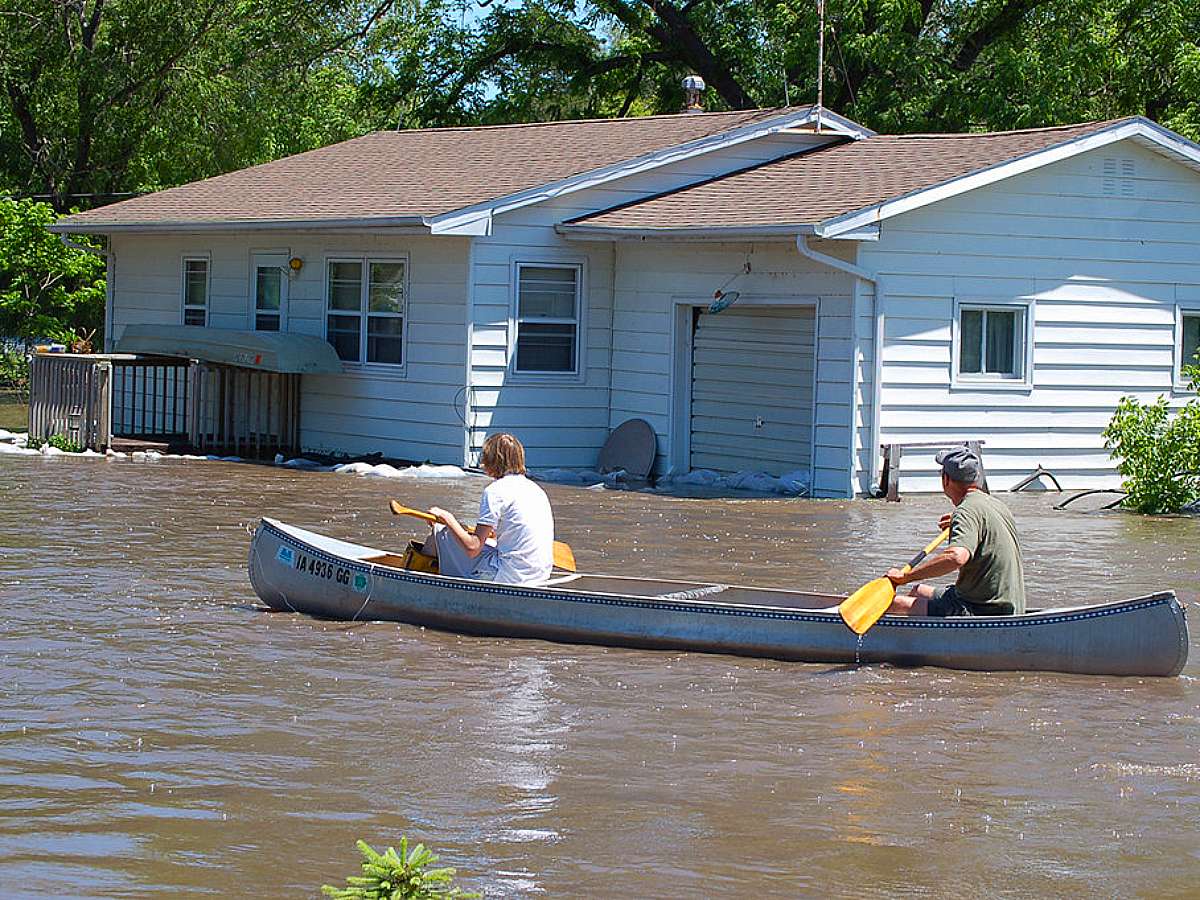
x=991 y=342
x=547 y=319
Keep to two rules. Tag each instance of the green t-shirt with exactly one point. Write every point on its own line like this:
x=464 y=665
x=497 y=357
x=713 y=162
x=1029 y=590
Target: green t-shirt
x=994 y=577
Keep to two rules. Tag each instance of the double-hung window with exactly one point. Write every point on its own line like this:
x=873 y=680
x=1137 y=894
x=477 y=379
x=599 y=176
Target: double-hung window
x=366 y=303
x=992 y=342
x=195 y=290
x=547 y=319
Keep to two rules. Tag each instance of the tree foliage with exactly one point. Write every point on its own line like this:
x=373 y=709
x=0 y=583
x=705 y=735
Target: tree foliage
x=47 y=289
x=106 y=97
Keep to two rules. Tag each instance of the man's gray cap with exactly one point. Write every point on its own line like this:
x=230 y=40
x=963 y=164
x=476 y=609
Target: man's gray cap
x=960 y=464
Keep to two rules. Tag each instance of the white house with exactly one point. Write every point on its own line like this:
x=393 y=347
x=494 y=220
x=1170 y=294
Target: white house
x=554 y=280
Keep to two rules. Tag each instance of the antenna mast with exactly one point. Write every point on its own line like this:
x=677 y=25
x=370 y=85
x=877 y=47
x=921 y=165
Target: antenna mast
x=820 y=61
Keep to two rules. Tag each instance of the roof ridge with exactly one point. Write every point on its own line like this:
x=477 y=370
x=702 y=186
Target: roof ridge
x=1099 y=123
x=765 y=112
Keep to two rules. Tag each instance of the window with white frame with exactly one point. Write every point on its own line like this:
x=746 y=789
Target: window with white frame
x=1189 y=341
x=365 y=308
x=547 y=319
x=195 y=291
x=992 y=341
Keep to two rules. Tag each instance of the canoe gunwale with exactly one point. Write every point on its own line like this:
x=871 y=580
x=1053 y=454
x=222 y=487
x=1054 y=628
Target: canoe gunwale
x=294 y=537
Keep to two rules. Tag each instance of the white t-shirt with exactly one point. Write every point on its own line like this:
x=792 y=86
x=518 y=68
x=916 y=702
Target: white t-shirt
x=519 y=513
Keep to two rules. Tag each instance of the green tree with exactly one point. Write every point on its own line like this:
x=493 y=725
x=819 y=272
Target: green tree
x=47 y=289
x=407 y=875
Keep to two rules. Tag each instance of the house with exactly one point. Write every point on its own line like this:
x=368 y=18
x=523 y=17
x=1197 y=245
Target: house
x=555 y=280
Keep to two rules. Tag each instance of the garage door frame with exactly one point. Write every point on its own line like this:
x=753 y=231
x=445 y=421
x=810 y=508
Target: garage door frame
x=681 y=369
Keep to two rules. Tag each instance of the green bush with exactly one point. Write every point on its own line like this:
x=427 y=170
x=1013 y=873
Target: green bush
x=398 y=876
x=1157 y=453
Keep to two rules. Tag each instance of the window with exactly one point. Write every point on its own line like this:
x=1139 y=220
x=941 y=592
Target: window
x=992 y=342
x=269 y=291
x=195 y=291
x=366 y=300
x=547 y=319
x=1189 y=341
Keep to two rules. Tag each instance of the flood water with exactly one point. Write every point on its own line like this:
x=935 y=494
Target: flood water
x=161 y=734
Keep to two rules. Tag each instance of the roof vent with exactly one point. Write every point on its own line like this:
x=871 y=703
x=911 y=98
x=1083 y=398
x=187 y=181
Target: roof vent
x=693 y=86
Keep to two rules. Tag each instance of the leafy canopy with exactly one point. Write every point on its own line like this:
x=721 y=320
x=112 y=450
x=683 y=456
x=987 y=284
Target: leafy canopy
x=47 y=289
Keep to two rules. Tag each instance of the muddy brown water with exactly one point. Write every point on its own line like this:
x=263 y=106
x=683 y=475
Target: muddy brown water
x=159 y=734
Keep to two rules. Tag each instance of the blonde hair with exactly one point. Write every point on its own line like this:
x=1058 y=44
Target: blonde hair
x=503 y=455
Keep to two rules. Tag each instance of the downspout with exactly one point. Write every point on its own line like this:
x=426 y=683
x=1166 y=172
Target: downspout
x=109 y=274
x=860 y=274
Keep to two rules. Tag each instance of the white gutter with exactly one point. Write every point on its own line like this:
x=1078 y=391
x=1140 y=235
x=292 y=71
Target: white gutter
x=861 y=275
x=110 y=269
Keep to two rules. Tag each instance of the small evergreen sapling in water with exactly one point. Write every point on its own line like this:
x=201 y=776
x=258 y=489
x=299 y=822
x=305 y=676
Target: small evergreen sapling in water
x=398 y=876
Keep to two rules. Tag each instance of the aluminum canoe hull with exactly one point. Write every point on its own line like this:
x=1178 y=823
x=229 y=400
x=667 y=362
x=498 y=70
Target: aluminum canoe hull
x=305 y=572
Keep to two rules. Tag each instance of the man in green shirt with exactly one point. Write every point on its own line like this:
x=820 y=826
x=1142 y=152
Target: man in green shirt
x=983 y=549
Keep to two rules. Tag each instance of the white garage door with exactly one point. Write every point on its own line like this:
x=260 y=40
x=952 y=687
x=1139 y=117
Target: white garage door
x=752 y=390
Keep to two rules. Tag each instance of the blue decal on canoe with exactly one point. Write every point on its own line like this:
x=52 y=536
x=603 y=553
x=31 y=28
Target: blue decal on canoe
x=360 y=582
x=285 y=555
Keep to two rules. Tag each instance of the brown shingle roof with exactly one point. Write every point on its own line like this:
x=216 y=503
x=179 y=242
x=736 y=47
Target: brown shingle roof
x=419 y=173
x=820 y=185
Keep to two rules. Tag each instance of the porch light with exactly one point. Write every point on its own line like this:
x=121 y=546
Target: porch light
x=295 y=264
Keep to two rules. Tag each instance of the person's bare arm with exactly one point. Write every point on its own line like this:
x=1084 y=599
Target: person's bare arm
x=949 y=560
x=472 y=543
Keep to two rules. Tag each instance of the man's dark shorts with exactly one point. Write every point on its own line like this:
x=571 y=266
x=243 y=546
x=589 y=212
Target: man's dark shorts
x=946 y=602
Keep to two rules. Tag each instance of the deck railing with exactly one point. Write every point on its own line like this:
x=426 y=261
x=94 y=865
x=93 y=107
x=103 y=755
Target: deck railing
x=213 y=408
x=150 y=398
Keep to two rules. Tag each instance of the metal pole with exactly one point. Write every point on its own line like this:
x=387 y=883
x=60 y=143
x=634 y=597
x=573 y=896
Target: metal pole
x=820 y=61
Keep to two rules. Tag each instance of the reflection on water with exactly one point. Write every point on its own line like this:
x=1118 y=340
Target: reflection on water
x=159 y=733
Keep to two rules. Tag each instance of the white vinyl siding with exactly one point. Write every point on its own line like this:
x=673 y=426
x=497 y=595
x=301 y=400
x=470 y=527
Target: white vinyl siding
x=1106 y=275
x=564 y=420
x=752 y=390
x=413 y=413
x=365 y=302
x=547 y=319
x=195 y=290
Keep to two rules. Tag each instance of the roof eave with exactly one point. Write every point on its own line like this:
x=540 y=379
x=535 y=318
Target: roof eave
x=416 y=224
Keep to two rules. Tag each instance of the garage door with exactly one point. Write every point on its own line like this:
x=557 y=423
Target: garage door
x=752 y=390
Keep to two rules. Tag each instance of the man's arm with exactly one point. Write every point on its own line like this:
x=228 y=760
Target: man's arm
x=472 y=543
x=949 y=560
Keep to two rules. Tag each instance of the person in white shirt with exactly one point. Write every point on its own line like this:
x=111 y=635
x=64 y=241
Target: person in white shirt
x=513 y=542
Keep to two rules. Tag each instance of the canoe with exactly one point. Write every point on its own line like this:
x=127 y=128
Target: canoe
x=301 y=571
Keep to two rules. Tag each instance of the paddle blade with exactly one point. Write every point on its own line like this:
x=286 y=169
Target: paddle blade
x=563 y=557
x=863 y=608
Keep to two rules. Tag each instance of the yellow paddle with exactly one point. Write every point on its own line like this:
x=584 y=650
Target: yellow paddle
x=863 y=608
x=563 y=557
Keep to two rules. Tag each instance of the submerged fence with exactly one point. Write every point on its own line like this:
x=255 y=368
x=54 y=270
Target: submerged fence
x=95 y=399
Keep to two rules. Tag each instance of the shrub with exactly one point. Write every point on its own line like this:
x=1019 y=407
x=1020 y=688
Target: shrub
x=1158 y=453
x=397 y=876
x=64 y=443
x=14 y=370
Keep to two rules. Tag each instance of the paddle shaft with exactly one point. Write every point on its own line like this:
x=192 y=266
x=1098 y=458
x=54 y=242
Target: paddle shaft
x=920 y=557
